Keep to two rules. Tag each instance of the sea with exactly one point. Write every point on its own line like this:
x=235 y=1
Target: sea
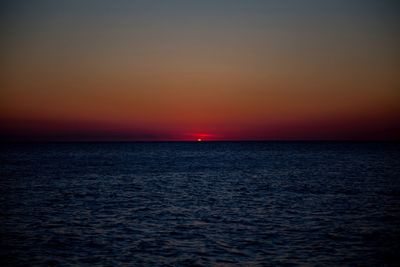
x=200 y=204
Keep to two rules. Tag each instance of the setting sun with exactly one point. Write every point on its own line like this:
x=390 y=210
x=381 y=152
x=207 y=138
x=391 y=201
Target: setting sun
x=199 y=140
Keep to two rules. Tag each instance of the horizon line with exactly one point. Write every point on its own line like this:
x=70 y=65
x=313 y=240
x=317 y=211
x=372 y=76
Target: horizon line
x=203 y=141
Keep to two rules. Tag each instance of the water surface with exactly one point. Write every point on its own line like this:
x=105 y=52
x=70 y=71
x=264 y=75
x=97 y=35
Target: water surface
x=200 y=204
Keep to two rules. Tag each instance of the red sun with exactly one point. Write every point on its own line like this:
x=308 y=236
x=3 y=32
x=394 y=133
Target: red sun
x=202 y=137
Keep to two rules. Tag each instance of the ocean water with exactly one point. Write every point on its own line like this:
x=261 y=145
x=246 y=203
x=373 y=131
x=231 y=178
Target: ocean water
x=200 y=204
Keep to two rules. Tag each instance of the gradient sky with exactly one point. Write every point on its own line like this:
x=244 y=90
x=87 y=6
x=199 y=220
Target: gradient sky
x=211 y=69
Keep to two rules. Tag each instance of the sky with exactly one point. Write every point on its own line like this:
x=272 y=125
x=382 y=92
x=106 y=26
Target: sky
x=160 y=70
